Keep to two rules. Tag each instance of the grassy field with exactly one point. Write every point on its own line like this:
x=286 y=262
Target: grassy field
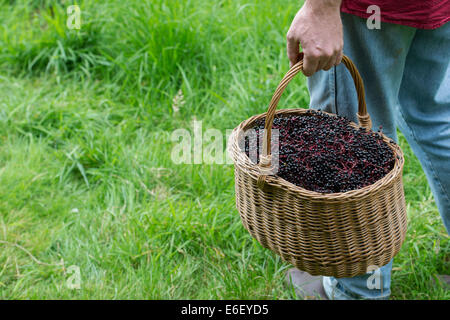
x=86 y=176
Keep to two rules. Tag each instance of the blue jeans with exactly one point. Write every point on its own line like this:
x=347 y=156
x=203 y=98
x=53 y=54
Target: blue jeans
x=406 y=74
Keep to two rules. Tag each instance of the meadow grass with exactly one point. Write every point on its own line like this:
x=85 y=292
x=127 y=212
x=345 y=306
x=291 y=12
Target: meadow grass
x=86 y=176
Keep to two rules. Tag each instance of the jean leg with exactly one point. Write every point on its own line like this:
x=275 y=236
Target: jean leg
x=380 y=57
x=424 y=110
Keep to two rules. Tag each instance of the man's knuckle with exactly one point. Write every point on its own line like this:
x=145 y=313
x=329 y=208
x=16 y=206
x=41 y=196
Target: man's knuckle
x=328 y=52
x=306 y=70
x=314 y=54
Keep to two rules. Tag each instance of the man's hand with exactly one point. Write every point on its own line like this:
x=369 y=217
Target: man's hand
x=318 y=28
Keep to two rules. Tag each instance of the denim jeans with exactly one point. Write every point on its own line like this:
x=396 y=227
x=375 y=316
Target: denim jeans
x=406 y=74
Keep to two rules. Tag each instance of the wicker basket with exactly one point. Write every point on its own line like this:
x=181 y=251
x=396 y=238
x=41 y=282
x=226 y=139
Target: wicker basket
x=337 y=234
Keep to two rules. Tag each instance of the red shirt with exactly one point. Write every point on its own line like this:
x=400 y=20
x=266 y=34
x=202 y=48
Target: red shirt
x=423 y=14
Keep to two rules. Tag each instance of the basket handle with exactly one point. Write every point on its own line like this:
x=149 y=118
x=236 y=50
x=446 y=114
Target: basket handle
x=363 y=116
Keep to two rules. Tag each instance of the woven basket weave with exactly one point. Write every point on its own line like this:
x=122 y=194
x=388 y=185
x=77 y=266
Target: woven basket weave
x=337 y=234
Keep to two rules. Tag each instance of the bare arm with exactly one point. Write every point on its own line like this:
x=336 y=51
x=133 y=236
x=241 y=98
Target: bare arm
x=317 y=26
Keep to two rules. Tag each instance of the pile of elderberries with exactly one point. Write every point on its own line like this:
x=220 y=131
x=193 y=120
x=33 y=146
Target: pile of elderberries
x=323 y=153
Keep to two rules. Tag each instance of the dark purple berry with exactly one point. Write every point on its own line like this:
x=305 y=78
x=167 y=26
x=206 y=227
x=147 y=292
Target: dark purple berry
x=323 y=153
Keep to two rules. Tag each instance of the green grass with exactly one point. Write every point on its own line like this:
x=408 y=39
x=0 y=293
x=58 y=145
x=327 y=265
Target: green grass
x=86 y=177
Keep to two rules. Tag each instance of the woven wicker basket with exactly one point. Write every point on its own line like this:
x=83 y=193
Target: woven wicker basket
x=338 y=234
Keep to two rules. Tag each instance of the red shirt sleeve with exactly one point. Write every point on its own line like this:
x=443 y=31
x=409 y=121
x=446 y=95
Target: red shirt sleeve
x=423 y=14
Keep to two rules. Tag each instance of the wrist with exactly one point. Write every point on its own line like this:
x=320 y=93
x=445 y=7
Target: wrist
x=323 y=5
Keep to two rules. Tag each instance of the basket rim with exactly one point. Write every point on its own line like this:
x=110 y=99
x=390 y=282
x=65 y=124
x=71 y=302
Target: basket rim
x=242 y=161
